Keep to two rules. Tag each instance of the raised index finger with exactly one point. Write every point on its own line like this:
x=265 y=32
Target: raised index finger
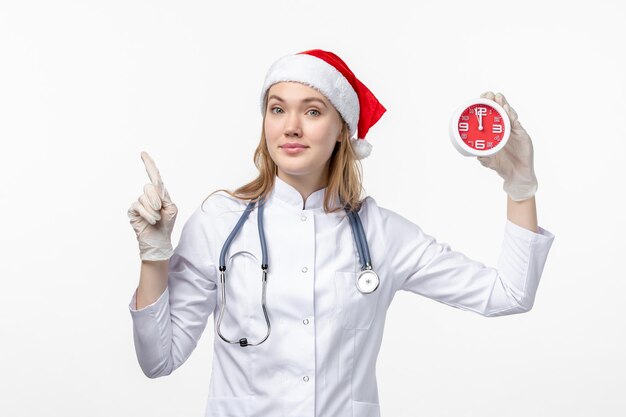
x=153 y=172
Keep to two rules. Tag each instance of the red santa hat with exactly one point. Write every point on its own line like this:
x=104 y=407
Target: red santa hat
x=327 y=73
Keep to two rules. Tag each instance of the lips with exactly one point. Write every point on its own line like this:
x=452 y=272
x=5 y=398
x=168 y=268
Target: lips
x=293 y=145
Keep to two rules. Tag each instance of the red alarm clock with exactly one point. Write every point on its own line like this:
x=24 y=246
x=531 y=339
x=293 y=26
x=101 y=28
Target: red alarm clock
x=479 y=127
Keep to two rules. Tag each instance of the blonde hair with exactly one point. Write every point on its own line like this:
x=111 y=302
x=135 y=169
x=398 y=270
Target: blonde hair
x=344 y=174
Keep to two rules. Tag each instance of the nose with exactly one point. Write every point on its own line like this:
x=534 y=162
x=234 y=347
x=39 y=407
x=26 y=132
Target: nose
x=293 y=126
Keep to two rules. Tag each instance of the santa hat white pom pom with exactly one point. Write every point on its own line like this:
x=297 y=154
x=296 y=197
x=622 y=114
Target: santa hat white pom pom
x=362 y=148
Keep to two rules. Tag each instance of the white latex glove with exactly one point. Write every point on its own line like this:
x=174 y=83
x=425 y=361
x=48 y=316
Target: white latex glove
x=153 y=216
x=514 y=163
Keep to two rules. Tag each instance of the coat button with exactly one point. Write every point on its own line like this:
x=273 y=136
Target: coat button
x=306 y=379
x=305 y=321
x=304 y=270
x=303 y=218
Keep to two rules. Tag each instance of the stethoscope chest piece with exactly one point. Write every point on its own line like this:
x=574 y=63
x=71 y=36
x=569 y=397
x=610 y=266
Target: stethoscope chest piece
x=367 y=281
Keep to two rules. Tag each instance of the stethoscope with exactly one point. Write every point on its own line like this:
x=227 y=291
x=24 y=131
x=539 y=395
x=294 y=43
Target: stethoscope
x=367 y=281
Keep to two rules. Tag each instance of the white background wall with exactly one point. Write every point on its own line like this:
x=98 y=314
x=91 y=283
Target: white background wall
x=86 y=86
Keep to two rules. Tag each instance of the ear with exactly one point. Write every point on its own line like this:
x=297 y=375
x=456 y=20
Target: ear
x=341 y=129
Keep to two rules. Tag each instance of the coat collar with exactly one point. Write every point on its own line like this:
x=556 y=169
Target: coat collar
x=290 y=195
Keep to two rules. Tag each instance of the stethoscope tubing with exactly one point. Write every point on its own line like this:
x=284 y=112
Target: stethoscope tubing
x=361 y=241
x=359 y=238
x=264 y=267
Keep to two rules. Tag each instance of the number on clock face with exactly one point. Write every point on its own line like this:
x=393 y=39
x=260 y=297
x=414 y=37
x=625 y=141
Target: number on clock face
x=481 y=127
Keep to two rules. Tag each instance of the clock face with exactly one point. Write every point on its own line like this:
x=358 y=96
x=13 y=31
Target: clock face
x=479 y=128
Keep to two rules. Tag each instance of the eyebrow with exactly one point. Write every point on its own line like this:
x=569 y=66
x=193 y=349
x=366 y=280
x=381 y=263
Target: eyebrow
x=304 y=100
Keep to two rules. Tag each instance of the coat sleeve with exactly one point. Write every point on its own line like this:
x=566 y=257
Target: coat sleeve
x=167 y=331
x=433 y=269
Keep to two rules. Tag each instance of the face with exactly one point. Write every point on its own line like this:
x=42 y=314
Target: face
x=301 y=130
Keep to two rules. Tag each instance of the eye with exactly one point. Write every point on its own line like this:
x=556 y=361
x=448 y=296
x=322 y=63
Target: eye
x=275 y=108
x=318 y=113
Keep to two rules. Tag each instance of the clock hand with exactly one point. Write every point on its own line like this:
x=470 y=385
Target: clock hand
x=480 y=120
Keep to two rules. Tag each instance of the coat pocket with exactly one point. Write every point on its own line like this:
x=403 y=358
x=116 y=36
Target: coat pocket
x=363 y=409
x=229 y=406
x=355 y=309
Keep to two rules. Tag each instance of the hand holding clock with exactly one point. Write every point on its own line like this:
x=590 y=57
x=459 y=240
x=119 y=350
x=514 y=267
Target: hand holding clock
x=514 y=162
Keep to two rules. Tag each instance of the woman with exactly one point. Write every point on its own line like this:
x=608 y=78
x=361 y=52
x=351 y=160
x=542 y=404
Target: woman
x=306 y=343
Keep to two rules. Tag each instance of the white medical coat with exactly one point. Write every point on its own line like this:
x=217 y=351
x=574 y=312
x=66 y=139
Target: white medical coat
x=320 y=358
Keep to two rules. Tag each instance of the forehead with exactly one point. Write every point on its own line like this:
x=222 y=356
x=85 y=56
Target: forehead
x=293 y=89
